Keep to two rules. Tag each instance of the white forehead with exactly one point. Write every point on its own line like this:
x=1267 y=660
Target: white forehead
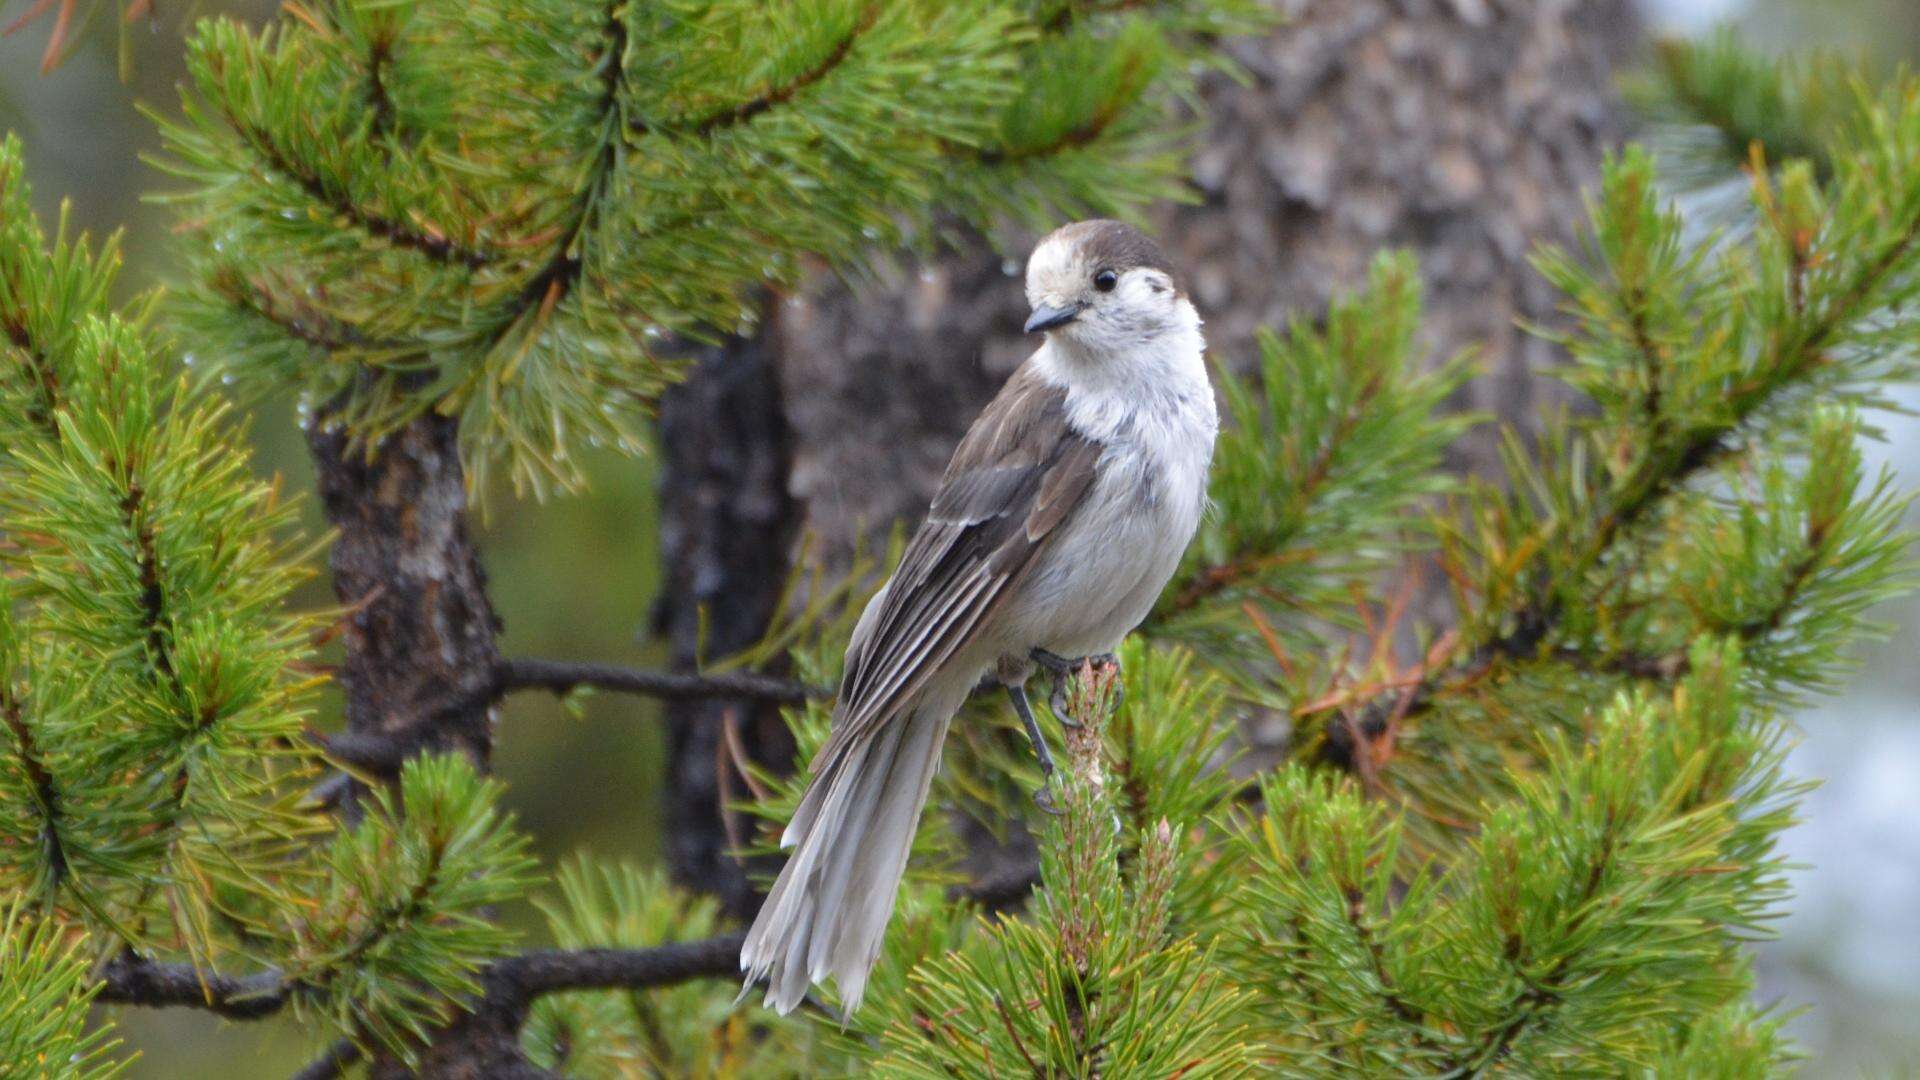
x=1057 y=263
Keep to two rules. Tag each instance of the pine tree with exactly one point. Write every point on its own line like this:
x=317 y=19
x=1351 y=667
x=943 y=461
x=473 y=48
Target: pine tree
x=1534 y=843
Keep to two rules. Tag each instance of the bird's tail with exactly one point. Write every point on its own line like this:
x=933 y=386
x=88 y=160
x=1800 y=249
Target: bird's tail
x=850 y=837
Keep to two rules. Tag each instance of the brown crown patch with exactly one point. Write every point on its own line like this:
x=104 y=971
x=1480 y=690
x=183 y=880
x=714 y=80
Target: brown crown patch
x=1115 y=245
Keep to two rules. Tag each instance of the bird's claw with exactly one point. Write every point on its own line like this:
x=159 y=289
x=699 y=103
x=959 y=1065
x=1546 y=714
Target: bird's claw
x=1061 y=668
x=1057 y=701
x=1043 y=798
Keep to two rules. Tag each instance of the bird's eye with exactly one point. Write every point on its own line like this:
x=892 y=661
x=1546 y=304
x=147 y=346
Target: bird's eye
x=1105 y=280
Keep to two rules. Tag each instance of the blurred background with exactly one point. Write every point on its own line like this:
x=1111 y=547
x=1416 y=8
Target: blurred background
x=576 y=579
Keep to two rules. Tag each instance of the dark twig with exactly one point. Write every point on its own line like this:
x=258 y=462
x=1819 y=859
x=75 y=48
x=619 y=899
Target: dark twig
x=516 y=980
x=512 y=983
x=332 y=1062
x=560 y=676
x=46 y=793
x=375 y=753
x=382 y=753
x=129 y=980
x=1006 y=1019
x=330 y=791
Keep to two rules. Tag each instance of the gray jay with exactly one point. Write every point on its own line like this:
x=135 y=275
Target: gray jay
x=1061 y=517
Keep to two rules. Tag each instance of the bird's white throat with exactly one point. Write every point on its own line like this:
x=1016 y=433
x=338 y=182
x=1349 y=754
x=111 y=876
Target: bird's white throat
x=1162 y=377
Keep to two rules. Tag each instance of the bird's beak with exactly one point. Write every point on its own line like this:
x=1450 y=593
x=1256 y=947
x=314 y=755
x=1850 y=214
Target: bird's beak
x=1046 y=318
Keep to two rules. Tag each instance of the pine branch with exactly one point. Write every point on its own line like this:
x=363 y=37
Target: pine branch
x=45 y=999
x=46 y=793
x=684 y=158
x=1714 y=101
x=1539 y=992
x=331 y=196
x=1666 y=462
x=150 y=574
x=40 y=371
x=309 y=326
x=550 y=284
x=773 y=96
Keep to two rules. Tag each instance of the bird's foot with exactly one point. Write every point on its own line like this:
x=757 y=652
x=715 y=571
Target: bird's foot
x=1061 y=668
x=1053 y=662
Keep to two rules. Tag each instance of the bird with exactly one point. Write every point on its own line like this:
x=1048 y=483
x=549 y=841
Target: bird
x=1062 y=515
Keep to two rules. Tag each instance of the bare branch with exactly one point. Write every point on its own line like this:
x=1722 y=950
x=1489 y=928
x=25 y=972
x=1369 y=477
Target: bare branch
x=560 y=676
x=129 y=980
x=383 y=753
x=519 y=979
x=512 y=983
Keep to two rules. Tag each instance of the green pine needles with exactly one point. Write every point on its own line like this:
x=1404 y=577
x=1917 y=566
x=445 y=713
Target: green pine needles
x=43 y=1028
x=1534 y=839
x=154 y=775
x=400 y=923
x=500 y=210
x=148 y=666
x=1593 y=920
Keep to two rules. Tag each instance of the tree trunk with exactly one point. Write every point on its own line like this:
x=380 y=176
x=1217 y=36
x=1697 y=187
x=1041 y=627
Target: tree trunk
x=421 y=656
x=727 y=528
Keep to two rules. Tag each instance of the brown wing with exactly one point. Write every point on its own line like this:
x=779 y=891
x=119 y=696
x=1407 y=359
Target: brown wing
x=1020 y=471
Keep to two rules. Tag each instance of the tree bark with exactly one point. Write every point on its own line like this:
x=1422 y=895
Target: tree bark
x=727 y=528
x=421 y=655
x=420 y=634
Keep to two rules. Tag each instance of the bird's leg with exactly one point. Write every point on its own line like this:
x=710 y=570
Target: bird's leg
x=1060 y=668
x=1017 y=693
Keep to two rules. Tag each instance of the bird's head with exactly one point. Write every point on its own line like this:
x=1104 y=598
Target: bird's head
x=1100 y=285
